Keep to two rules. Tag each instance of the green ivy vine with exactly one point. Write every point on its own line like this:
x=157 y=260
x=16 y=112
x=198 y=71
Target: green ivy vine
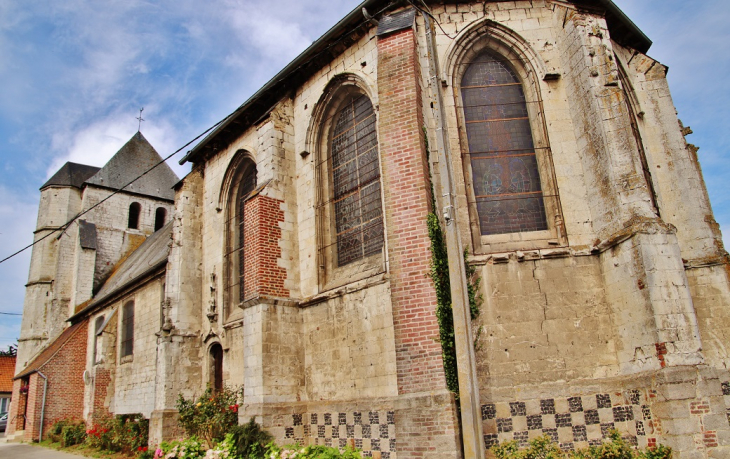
x=439 y=274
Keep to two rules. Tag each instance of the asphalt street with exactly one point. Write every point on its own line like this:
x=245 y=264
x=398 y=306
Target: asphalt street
x=24 y=451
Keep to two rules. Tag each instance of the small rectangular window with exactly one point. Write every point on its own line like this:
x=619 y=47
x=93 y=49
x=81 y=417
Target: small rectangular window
x=128 y=329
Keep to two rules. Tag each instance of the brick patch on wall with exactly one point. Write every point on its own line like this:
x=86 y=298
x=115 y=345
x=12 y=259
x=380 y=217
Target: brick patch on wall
x=407 y=201
x=262 y=233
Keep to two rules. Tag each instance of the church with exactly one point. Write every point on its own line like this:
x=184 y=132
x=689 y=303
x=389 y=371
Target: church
x=294 y=259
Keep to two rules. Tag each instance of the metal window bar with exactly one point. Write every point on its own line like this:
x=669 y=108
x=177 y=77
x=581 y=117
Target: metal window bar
x=505 y=174
x=355 y=174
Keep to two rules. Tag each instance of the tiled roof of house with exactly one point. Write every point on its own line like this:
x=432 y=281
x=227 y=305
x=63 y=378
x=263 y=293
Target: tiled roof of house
x=51 y=350
x=7 y=369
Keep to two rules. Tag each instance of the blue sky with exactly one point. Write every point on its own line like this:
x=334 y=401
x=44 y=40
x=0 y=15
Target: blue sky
x=74 y=76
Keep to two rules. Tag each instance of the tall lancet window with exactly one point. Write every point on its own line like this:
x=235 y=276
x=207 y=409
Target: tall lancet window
x=356 y=181
x=506 y=181
x=244 y=182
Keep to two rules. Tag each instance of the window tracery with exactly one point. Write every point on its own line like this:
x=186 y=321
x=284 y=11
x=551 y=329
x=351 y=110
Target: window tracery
x=505 y=171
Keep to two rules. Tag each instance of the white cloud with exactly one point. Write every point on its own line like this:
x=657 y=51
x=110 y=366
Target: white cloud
x=18 y=215
x=97 y=143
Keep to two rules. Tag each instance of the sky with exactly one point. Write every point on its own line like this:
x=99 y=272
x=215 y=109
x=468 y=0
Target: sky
x=74 y=76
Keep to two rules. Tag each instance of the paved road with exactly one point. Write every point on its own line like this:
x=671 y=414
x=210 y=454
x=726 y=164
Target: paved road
x=24 y=451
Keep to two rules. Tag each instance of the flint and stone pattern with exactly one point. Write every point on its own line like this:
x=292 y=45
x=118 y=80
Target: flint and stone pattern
x=370 y=431
x=574 y=422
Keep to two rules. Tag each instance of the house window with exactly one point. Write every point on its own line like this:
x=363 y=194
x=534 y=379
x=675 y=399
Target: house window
x=355 y=178
x=243 y=183
x=507 y=189
x=128 y=329
x=134 y=210
x=160 y=215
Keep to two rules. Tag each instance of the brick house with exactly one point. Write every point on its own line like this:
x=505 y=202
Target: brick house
x=296 y=260
x=7 y=371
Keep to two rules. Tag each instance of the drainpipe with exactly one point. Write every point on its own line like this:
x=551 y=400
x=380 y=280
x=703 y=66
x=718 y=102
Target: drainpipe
x=471 y=428
x=43 y=404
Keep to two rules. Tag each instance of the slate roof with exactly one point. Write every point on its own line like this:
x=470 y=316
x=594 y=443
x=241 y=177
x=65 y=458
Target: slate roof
x=7 y=370
x=71 y=174
x=51 y=350
x=342 y=35
x=148 y=257
x=132 y=160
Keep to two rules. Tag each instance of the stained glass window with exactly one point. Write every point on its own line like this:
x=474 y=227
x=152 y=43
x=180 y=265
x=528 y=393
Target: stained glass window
x=356 y=181
x=507 y=188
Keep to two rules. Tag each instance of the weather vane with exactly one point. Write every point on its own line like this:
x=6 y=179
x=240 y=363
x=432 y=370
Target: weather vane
x=139 y=127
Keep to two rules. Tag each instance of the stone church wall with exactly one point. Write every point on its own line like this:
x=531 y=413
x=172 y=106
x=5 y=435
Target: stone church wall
x=115 y=241
x=135 y=375
x=614 y=316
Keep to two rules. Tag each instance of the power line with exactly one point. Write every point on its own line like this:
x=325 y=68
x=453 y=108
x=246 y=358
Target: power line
x=65 y=226
x=11 y=313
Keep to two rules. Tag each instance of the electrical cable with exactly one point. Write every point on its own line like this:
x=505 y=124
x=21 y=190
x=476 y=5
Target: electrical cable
x=66 y=225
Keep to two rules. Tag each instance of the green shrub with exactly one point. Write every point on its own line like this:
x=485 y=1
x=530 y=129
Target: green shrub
x=616 y=448
x=540 y=448
x=54 y=433
x=73 y=433
x=249 y=440
x=212 y=416
x=308 y=452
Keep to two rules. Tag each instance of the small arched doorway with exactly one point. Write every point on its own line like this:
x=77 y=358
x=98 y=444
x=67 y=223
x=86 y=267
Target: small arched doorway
x=216 y=367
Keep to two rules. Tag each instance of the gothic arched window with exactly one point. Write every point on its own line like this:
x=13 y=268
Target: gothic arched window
x=504 y=167
x=242 y=184
x=355 y=178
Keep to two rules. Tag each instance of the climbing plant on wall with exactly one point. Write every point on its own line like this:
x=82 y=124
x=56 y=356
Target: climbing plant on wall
x=439 y=274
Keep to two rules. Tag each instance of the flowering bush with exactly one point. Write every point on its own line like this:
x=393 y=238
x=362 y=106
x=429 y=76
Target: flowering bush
x=212 y=416
x=223 y=450
x=190 y=448
x=127 y=433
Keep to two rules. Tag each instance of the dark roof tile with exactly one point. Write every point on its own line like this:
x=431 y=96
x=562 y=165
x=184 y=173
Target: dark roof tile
x=131 y=161
x=71 y=174
x=52 y=349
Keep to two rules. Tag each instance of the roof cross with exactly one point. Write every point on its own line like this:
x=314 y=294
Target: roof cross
x=139 y=127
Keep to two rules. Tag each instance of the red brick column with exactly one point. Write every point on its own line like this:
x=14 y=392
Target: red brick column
x=262 y=233
x=17 y=409
x=407 y=202
x=33 y=412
